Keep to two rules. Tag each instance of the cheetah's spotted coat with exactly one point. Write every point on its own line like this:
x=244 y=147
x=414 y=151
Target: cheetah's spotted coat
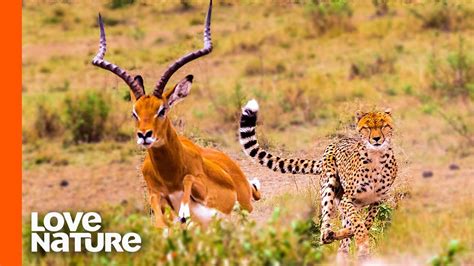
x=354 y=173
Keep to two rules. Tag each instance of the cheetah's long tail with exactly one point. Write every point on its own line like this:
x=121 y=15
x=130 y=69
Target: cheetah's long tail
x=248 y=140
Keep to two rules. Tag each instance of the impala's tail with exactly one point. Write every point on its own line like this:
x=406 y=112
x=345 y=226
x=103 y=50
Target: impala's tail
x=248 y=140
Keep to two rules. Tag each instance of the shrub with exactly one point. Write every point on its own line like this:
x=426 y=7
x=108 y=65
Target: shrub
x=229 y=106
x=86 y=115
x=47 y=123
x=462 y=126
x=383 y=218
x=258 y=67
x=444 y=16
x=116 y=4
x=185 y=5
x=381 y=7
x=377 y=65
x=453 y=76
x=448 y=257
x=330 y=15
x=56 y=17
x=239 y=241
x=60 y=88
x=111 y=21
x=299 y=98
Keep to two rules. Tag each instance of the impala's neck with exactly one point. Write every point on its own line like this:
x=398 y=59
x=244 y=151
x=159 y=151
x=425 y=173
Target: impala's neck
x=168 y=159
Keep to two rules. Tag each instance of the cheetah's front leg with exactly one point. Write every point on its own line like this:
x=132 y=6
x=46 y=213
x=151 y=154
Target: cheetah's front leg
x=356 y=228
x=373 y=210
x=343 y=250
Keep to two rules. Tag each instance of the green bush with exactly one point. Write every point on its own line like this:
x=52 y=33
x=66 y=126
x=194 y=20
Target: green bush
x=330 y=15
x=378 y=64
x=115 y=4
x=453 y=75
x=444 y=16
x=56 y=17
x=381 y=7
x=47 y=123
x=448 y=256
x=239 y=241
x=259 y=67
x=86 y=115
x=229 y=105
x=185 y=4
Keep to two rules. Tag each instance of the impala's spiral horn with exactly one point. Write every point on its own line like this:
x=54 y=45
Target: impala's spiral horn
x=160 y=85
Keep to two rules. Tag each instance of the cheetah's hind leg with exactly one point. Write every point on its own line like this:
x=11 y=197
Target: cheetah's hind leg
x=328 y=195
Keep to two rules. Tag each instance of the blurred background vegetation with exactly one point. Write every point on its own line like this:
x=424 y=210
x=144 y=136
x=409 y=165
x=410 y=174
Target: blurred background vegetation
x=311 y=64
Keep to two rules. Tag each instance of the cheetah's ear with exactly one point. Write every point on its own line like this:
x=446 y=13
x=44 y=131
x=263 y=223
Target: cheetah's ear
x=359 y=114
x=388 y=111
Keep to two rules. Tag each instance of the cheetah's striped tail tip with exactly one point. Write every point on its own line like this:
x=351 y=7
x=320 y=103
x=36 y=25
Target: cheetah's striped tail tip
x=250 y=107
x=256 y=183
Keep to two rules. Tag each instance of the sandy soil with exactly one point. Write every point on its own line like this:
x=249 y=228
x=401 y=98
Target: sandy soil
x=93 y=188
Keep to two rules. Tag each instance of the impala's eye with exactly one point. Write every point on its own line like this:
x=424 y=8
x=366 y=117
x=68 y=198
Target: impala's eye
x=134 y=115
x=161 y=112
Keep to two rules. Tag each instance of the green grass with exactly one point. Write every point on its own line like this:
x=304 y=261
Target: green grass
x=304 y=78
x=265 y=51
x=223 y=241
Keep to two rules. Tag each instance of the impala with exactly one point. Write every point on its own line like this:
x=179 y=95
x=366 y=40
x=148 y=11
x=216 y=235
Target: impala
x=195 y=182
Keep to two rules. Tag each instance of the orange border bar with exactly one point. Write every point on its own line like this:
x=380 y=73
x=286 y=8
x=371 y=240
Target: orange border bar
x=10 y=134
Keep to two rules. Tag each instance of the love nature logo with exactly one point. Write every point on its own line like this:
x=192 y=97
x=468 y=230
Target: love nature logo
x=59 y=232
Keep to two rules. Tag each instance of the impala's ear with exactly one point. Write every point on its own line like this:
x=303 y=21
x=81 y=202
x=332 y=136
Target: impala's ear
x=139 y=80
x=180 y=91
x=359 y=114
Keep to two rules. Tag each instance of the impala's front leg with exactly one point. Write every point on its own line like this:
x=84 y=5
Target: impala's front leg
x=155 y=203
x=191 y=186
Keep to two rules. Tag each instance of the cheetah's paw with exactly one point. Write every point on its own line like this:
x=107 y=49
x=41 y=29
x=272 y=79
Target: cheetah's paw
x=328 y=236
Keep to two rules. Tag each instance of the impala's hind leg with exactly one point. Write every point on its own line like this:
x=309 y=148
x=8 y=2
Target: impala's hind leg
x=247 y=192
x=255 y=185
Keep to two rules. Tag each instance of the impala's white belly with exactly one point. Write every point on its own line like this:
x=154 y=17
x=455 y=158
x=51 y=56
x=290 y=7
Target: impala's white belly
x=199 y=211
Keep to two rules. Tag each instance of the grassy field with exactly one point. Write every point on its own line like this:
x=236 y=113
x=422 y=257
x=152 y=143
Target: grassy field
x=311 y=67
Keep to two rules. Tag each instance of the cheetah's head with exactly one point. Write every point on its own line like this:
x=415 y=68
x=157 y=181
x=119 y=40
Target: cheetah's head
x=375 y=128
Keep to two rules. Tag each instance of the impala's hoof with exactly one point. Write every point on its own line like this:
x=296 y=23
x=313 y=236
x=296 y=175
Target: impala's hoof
x=184 y=213
x=328 y=236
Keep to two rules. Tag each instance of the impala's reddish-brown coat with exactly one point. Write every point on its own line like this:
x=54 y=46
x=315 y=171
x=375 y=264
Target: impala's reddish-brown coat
x=193 y=181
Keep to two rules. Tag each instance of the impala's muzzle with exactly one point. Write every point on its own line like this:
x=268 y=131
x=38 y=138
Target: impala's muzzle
x=146 y=139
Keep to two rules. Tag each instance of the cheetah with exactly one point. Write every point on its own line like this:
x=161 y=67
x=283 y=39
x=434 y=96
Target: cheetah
x=354 y=172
